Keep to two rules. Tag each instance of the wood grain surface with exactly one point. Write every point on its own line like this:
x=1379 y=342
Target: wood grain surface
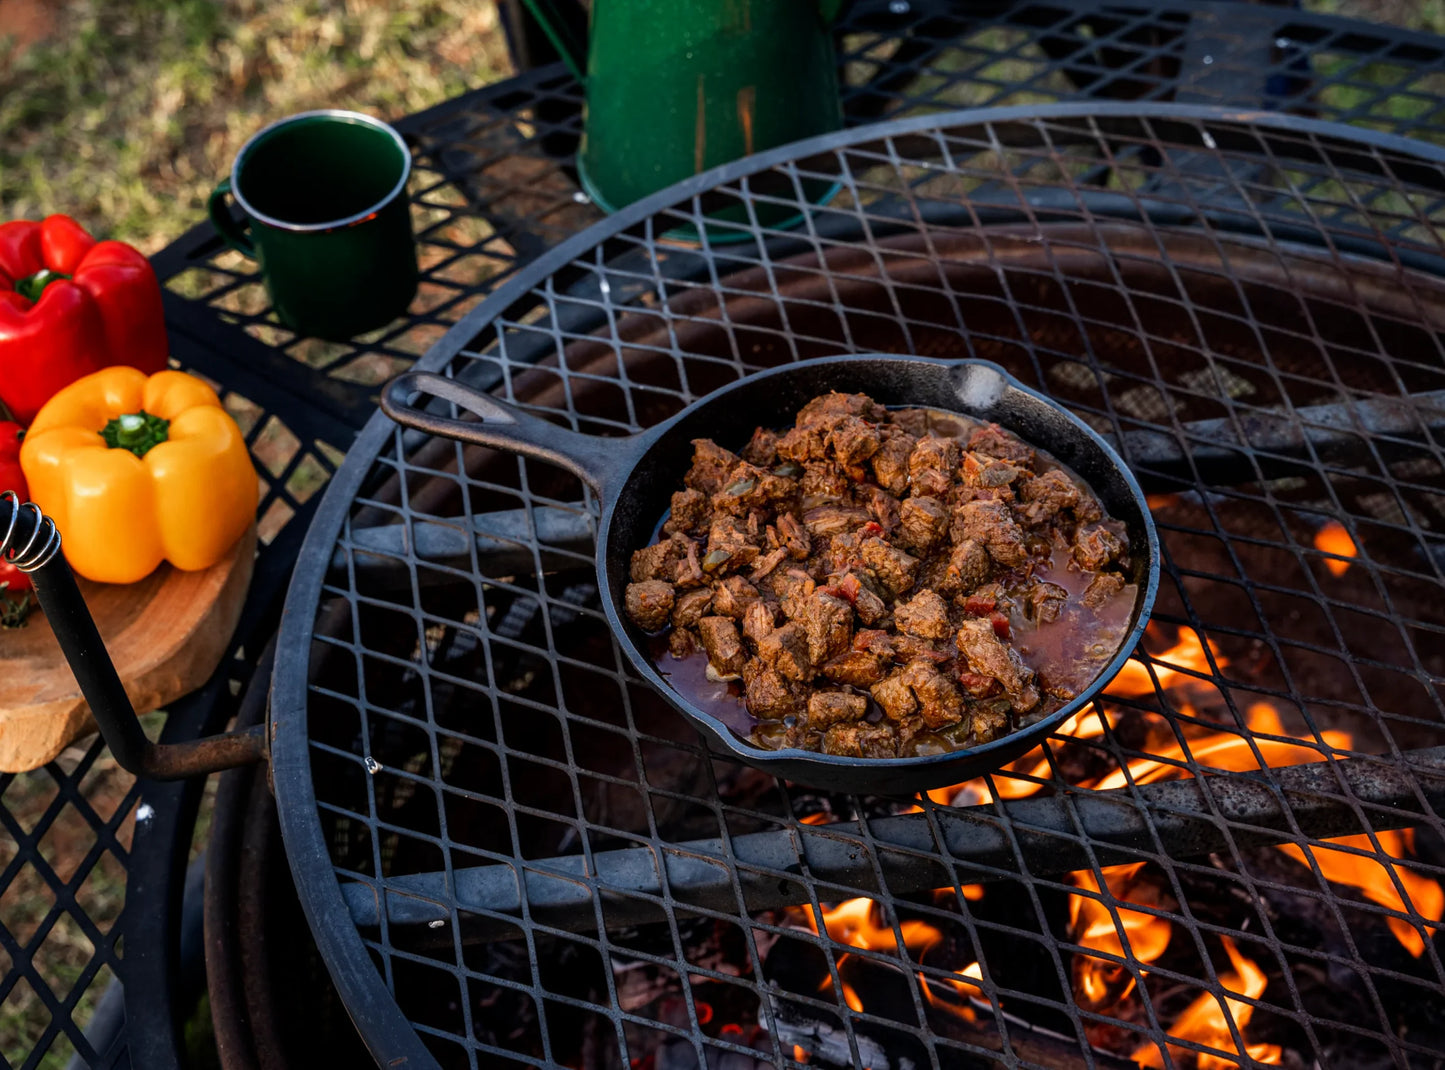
x=166 y=635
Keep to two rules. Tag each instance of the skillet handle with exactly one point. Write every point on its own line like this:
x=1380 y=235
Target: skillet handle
x=604 y=463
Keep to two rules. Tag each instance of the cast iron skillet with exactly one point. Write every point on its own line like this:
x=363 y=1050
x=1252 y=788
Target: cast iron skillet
x=635 y=476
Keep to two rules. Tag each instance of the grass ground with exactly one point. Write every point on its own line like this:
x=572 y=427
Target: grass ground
x=124 y=114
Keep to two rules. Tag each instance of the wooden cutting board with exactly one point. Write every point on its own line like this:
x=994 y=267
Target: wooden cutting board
x=166 y=635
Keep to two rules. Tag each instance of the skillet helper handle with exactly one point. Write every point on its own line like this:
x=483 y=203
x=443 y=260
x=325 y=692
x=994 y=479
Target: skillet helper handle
x=30 y=541
x=603 y=463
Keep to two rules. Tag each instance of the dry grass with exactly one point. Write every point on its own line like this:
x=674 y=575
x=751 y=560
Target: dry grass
x=130 y=111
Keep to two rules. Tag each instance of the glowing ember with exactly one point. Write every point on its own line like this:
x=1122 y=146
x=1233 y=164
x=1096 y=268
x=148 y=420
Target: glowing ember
x=800 y=1054
x=1376 y=876
x=1100 y=983
x=1206 y=1021
x=1334 y=539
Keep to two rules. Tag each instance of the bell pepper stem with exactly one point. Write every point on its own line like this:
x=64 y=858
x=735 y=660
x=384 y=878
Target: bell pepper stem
x=139 y=432
x=32 y=286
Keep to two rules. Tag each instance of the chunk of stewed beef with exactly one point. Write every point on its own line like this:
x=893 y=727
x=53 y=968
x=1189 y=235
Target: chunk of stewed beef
x=895 y=697
x=988 y=655
x=987 y=473
x=1043 y=602
x=681 y=643
x=711 y=465
x=968 y=567
x=939 y=701
x=890 y=463
x=1096 y=547
x=688 y=513
x=866 y=602
x=650 y=603
x=923 y=521
x=723 y=645
x=828 y=621
x=792 y=587
x=826 y=521
x=691 y=606
x=992 y=524
x=859 y=739
x=988 y=722
x=769 y=696
x=801 y=445
x=786 y=649
x=933 y=465
x=762 y=448
x=1101 y=588
x=793 y=536
x=833 y=707
x=733 y=596
x=1045 y=497
x=760 y=619
x=658 y=561
x=856 y=668
x=729 y=546
x=824 y=483
x=894 y=568
x=996 y=442
x=924 y=615
x=827 y=410
x=852 y=441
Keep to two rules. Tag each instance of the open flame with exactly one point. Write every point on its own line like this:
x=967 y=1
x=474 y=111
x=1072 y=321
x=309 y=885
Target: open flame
x=1186 y=671
x=1100 y=983
x=1376 y=878
x=1124 y=917
x=1334 y=539
x=1206 y=1022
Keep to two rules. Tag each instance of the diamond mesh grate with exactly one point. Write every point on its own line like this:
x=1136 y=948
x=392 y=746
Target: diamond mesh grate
x=540 y=863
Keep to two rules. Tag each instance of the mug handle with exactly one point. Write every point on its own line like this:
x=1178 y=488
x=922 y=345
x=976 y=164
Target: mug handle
x=233 y=233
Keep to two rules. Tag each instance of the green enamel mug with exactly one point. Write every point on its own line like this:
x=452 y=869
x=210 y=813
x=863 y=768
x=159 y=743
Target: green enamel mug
x=323 y=195
x=675 y=87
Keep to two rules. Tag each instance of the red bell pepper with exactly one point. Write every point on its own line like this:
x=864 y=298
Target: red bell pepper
x=13 y=582
x=69 y=306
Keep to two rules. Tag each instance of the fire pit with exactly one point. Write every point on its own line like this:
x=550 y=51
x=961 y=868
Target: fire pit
x=509 y=849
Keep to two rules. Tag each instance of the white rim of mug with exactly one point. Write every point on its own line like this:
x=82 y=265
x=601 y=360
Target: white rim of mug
x=320 y=113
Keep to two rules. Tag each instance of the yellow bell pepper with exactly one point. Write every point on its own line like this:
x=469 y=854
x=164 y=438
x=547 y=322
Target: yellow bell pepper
x=137 y=469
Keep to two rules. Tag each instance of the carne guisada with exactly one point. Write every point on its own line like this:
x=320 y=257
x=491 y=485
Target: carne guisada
x=877 y=583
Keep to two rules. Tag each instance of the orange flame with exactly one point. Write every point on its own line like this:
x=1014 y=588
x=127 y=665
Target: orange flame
x=1374 y=875
x=1334 y=539
x=1101 y=983
x=800 y=1053
x=1206 y=1021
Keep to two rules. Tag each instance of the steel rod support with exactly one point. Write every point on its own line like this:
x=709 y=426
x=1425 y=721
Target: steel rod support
x=1055 y=834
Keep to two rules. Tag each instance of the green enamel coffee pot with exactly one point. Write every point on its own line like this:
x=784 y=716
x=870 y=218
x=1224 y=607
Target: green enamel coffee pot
x=675 y=87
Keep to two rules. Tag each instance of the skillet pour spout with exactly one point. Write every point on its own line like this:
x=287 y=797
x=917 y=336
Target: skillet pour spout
x=634 y=477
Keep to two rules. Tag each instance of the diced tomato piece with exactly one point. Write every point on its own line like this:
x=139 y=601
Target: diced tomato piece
x=979 y=604
x=848 y=588
x=871 y=528
x=1000 y=624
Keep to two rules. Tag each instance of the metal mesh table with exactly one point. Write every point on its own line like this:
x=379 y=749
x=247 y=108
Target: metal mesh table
x=494 y=191
x=510 y=850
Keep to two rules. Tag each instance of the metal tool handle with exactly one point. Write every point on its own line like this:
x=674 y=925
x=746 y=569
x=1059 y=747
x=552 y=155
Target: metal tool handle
x=604 y=463
x=31 y=542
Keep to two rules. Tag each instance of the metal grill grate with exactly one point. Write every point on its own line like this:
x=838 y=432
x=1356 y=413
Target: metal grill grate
x=510 y=851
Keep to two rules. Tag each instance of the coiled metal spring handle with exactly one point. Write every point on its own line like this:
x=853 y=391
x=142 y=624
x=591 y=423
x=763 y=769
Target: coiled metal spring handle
x=31 y=542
